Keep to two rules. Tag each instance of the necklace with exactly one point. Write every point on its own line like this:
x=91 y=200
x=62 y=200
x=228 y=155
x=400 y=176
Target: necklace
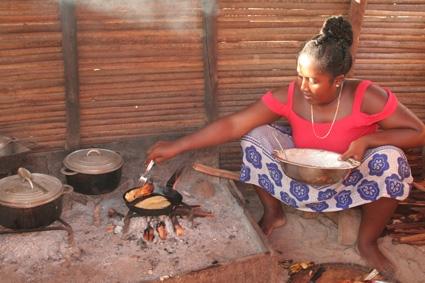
x=333 y=120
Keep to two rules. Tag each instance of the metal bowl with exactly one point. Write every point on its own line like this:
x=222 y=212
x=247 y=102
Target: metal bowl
x=314 y=166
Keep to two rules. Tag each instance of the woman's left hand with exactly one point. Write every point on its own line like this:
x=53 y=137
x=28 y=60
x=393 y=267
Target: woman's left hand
x=356 y=150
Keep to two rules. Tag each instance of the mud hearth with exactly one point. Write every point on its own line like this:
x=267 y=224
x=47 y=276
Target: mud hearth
x=112 y=245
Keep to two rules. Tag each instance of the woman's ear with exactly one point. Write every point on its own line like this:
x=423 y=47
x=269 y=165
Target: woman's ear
x=338 y=80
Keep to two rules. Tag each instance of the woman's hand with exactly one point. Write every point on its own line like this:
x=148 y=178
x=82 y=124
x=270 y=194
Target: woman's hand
x=163 y=150
x=356 y=150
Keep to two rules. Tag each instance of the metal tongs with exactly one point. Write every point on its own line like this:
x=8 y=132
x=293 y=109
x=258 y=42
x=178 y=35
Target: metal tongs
x=145 y=175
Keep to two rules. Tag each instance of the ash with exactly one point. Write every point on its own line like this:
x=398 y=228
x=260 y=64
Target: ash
x=105 y=252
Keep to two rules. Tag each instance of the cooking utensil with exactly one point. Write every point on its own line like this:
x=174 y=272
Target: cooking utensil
x=149 y=212
x=144 y=177
x=93 y=171
x=173 y=196
x=314 y=166
x=169 y=189
x=23 y=207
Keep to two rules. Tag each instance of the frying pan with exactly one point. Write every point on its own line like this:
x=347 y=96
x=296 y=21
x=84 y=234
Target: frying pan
x=174 y=197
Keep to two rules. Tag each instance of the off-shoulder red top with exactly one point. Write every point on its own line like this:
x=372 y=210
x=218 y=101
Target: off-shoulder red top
x=344 y=131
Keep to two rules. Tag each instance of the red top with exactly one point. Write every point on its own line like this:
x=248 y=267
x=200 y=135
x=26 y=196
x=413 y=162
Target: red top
x=344 y=131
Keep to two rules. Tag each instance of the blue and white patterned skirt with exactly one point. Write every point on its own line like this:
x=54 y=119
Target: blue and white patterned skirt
x=384 y=172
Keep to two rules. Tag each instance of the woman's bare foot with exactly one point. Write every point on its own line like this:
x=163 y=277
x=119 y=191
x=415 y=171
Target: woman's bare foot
x=273 y=216
x=272 y=220
x=377 y=260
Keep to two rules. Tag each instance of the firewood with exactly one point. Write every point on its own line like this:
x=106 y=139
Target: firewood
x=410 y=231
x=405 y=225
x=413 y=203
x=162 y=231
x=417 y=195
x=412 y=238
x=178 y=229
x=419 y=185
x=199 y=212
x=418 y=243
x=397 y=236
x=416 y=217
x=148 y=234
x=216 y=172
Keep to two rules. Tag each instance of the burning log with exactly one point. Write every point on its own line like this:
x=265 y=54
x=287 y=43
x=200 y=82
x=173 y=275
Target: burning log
x=162 y=231
x=178 y=229
x=149 y=234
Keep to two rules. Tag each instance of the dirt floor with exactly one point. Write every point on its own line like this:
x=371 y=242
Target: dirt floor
x=316 y=239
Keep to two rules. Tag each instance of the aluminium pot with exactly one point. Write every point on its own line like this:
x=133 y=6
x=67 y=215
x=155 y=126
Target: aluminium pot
x=30 y=201
x=93 y=171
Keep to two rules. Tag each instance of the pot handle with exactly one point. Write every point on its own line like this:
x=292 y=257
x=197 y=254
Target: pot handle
x=67 y=189
x=93 y=151
x=68 y=172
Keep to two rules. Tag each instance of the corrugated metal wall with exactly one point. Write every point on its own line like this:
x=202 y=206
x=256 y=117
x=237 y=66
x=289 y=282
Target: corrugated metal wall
x=32 y=106
x=141 y=68
x=258 y=42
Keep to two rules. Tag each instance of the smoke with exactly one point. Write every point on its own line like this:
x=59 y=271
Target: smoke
x=172 y=14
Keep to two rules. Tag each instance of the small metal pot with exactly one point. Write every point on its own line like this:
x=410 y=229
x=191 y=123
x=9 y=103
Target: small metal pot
x=30 y=201
x=93 y=171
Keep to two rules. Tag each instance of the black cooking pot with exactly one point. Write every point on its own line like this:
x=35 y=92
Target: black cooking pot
x=93 y=171
x=30 y=200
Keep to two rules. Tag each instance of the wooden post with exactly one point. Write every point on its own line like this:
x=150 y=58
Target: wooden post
x=209 y=8
x=356 y=14
x=70 y=58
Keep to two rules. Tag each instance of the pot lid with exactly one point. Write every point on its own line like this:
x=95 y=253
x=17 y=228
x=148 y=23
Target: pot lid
x=93 y=161
x=20 y=192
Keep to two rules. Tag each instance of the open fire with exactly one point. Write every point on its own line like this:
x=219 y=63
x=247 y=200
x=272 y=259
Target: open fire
x=153 y=228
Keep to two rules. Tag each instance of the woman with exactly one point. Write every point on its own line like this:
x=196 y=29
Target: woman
x=356 y=118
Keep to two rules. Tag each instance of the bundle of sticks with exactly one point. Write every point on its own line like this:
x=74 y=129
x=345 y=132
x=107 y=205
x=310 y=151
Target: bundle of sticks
x=408 y=223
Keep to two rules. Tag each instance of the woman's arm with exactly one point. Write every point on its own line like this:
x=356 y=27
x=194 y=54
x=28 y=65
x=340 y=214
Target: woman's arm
x=402 y=128
x=226 y=129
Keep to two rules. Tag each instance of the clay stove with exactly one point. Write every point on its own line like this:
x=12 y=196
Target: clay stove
x=217 y=245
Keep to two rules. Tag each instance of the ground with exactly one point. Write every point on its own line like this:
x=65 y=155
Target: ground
x=316 y=239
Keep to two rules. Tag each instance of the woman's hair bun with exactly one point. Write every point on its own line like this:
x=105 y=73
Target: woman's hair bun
x=338 y=28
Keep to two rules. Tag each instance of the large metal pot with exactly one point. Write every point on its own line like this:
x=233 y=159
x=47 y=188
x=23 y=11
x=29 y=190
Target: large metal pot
x=30 y=200
x=93 y=171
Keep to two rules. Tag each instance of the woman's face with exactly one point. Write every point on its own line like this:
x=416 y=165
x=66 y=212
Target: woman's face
x=317 y=87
